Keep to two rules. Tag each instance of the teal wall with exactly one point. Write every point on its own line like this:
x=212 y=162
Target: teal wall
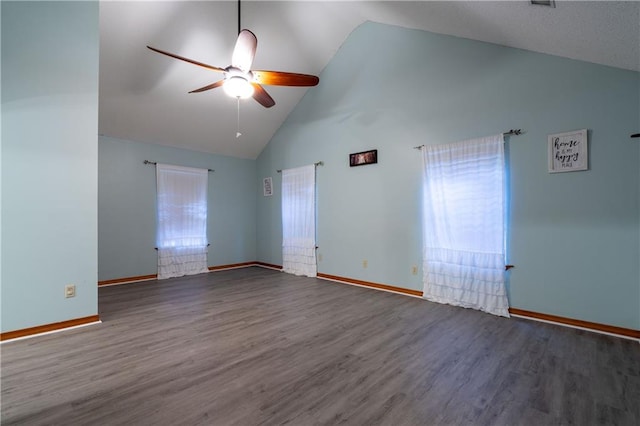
x=68 y=200
x=127 y=206
x=573 y=236
x=49 y=161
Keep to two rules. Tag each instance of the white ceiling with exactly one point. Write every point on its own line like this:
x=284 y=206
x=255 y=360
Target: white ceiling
x=143 y=95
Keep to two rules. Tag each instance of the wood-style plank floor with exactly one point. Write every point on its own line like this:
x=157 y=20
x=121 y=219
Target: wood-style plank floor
x=259 y=347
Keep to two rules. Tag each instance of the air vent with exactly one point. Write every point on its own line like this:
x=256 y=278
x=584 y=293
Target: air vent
x=548 y=3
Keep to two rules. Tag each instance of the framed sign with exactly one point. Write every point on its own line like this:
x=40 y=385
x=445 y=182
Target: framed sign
x=568 y=151
x=267 y=187
x=363 y=158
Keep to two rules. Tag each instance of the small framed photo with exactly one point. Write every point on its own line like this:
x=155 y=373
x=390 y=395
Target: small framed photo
x=267 y=187
x=363 y=158
x=568 y=152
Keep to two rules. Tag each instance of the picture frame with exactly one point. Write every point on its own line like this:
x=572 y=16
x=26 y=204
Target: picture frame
x=267 y=187
x=363 y=158
x=568 y=151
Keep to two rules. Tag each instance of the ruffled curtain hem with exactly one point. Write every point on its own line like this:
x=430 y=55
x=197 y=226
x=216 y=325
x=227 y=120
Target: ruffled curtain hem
x=299 y=260
x=178 y=262
x=476 y=288
x=490 y=304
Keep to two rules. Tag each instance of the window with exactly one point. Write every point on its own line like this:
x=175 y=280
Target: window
x=181 y=221
x=464 y=224
x=299 y=221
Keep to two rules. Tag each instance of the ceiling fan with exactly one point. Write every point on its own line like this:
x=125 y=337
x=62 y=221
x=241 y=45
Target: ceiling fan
x=240 y=81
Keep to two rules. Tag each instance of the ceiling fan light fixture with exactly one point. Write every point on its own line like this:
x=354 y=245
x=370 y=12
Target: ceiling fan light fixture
x=238 y=87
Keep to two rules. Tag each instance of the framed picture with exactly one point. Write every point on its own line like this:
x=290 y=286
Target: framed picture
x=363 y=158
x=568 y=152
x=267 y=187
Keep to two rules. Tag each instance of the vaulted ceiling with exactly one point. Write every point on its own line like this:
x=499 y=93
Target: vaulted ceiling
x=143 y=95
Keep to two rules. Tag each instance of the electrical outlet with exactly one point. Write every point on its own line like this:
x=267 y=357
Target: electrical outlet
x=70 y=290
x=320 y=257
x=414 y=270
x=365 y=263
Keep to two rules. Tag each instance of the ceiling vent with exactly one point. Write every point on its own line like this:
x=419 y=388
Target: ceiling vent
x=548 y=3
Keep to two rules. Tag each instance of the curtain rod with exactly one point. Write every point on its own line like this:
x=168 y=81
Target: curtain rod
x=154 y=163
x=514 y=132
x=319 y=163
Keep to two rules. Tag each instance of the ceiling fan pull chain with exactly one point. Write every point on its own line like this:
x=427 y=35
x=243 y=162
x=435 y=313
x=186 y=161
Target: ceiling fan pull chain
x=238 y=134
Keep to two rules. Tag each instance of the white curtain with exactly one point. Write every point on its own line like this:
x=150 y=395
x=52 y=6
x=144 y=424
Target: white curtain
x=464 y=224
x=299 y=221
x=182 y=220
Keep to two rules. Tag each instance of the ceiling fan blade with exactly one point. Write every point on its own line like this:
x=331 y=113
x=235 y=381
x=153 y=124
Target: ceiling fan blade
x=261 y=95
x=279 y=78
x=244 y=51
x=191 y=61
x=208 y=87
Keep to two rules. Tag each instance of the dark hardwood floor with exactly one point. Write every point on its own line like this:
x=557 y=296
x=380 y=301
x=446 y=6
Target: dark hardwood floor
x=253 y=346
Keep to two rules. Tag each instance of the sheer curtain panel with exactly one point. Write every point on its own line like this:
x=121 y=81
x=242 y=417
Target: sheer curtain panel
x=182 y=220
x=299 y=221
x=464 y=224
